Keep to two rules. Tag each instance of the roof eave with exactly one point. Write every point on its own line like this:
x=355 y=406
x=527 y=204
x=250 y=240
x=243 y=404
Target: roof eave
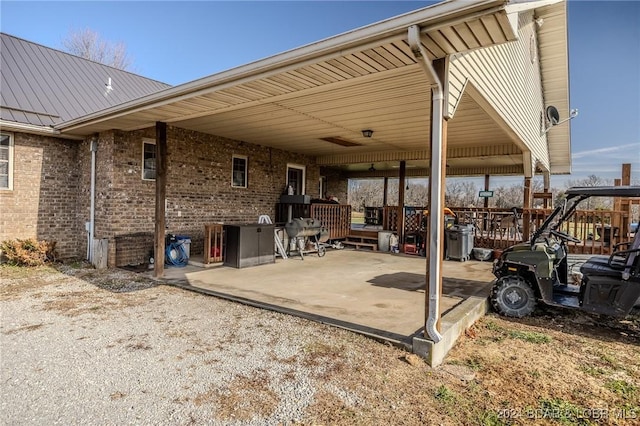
x=387 y=29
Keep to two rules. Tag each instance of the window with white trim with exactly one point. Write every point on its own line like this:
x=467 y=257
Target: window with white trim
x=6 y=161
x=148 y=159
x=296 y=178
x=239 y=171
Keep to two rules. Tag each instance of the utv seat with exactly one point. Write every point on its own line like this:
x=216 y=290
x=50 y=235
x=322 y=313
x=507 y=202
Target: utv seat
x=621 y=264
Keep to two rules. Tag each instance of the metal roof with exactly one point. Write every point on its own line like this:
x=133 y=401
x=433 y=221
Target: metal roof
x=43 y=86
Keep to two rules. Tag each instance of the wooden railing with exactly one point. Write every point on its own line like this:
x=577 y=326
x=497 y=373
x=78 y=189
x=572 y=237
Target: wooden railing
x=496 y=228
x=336 y=218
x=598 y=230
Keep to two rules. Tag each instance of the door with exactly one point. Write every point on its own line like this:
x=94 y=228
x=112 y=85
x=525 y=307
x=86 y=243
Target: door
x=295 y=178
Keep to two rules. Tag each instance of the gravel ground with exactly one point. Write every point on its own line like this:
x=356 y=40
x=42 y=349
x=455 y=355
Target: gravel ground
x=127 y=351
x=79 y=346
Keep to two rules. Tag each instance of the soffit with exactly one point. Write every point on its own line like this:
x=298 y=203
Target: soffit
x=554 y=67
x=376 y=85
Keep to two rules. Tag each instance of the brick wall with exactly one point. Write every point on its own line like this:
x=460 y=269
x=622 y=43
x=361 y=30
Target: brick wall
x=337 y=184
x=51 y=195
x=198 y=185
x=43 y=202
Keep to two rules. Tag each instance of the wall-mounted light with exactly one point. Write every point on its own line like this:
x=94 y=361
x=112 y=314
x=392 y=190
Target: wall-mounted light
x=372 y=169
x=367 y=133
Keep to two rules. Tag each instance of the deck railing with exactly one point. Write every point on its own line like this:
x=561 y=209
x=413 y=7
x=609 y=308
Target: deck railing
x=496 y=228
x=336 y=218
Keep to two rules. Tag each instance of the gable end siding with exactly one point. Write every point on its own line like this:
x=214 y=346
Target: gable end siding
x=510 y=82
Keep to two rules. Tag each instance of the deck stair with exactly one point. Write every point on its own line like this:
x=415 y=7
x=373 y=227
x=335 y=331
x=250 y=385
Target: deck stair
x=362 y=238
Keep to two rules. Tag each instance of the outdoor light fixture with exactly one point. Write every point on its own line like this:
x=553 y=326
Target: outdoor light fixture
x=367 y=133
x=372 y=169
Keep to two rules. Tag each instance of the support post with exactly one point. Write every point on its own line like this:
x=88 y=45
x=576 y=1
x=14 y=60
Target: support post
x=400 y=218
x=486 y=188
x=161 y=193
x=526 y=205
x=384 y=192
x=625 y=203
x=546 y=186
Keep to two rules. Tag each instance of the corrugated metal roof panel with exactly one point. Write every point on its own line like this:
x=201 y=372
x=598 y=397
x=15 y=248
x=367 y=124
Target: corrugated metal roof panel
x=44 y=86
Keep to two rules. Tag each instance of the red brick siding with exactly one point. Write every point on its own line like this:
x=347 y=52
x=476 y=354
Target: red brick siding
x=43 y=202
x=198 y=185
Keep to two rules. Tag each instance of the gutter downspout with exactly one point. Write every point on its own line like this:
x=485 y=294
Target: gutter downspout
x=92 y=213
x=435 y=202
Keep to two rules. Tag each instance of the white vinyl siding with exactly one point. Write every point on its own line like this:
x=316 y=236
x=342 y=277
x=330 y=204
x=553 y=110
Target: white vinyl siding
x=510 y=81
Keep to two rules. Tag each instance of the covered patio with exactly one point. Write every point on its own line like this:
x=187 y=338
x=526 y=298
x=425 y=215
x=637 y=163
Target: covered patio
x=458 y=88
x=383 y=295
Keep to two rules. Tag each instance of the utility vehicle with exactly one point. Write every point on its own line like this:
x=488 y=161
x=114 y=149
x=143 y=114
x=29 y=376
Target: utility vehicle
x=537 y=270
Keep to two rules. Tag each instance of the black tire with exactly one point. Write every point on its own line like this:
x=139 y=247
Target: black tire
x=512 y=296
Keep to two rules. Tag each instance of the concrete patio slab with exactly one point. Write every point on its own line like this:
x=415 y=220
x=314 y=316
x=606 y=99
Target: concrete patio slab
x=378 y=294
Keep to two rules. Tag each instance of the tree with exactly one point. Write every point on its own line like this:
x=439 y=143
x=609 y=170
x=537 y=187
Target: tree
x=594 y=203
x=88 y=44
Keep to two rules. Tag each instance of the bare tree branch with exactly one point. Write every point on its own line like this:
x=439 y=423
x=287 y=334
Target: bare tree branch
x=88 y=44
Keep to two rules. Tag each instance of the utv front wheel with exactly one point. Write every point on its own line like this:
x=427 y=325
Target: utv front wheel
x=512 y=296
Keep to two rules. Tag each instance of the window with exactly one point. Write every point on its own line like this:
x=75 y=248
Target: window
x=322 y=186
x=239 y=171
x=6 y=161
x=295 y=178
x=148 y=159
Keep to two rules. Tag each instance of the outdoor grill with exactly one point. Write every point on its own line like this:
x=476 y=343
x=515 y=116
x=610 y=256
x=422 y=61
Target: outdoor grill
x=301 y=231
x=303 y=227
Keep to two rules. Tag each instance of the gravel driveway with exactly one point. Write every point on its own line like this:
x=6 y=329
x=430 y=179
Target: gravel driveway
x=84 y=348
x=79 y=346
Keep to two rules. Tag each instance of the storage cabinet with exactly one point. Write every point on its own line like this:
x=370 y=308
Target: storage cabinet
x=249 y=245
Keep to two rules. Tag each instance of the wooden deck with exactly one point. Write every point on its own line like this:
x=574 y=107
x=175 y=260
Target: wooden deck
x=362 y=238
x=494 y=228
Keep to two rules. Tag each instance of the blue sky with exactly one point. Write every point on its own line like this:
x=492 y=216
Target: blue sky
x=176 y=42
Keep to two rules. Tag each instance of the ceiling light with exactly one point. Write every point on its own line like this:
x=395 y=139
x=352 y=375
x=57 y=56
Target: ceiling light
x=367 y=133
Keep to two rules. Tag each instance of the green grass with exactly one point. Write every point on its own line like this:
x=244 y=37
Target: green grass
x=624 y=389
x=560 y=411
x=357 y=217
x=530 y=336
x=593 y=371
x=445 y=395
x=474 y=363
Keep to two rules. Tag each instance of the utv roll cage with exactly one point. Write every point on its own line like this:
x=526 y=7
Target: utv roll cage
x=574 y=196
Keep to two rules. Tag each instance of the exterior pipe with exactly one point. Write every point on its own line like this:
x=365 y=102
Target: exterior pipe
x=435 y=203
x=92 y=213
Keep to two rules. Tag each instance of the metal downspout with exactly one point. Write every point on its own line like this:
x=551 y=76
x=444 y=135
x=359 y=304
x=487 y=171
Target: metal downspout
x=92 y=213
x=435 y=203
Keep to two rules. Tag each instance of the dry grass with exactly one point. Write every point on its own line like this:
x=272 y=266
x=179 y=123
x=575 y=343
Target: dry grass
x=244 y=398
x=559 y=367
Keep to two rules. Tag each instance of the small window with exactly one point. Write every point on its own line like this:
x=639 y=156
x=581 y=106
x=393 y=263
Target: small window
x=148 y=160
x=6 y=161
x=239 y=171
x=296 y=178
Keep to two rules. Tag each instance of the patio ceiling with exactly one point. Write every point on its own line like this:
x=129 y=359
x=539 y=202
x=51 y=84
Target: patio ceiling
x=316 y=100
